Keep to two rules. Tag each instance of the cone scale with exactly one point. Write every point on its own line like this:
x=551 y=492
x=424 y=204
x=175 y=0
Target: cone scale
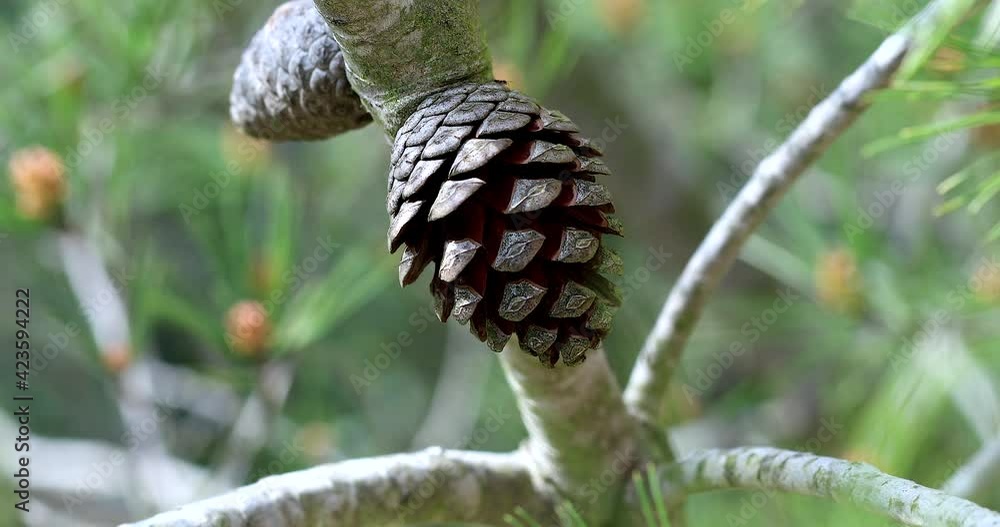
x=504 y=197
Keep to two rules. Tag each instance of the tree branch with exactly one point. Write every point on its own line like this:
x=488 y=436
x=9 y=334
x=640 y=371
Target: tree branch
x=578 y=428
x=776 y=470
x=981 y=472
x=433 y=485
x=399 y=51
x=660 y=355
x=103 y=306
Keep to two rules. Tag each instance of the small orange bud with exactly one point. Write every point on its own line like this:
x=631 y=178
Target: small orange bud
x=838 y=283
x=947 y=60
x=621 y=16
x=987 y=137
x=38 y=176
x=117 y=358
x=508 y=72
x=986 y=283
x=248 y=328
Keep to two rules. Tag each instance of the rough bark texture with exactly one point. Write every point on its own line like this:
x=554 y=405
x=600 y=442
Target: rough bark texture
x=433 y=485
x=291 y=84
x=399 y=51
x=843 y=481
x=578 y=429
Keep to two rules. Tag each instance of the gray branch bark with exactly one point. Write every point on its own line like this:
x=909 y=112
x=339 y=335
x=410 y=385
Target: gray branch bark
x=433 y=485
x=772 y=469
x=578 y=428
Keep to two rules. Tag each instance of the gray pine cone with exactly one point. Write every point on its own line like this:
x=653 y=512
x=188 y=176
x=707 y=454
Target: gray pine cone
x=291 y=84
x=502 y=195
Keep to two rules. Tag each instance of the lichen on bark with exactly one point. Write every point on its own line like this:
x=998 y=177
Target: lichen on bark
x=399 y=51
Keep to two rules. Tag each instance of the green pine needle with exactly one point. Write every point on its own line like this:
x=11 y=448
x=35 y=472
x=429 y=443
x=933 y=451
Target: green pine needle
x=931 y=34
x=645 y=505
x=915 y=134
x=529 y=521
x=656 y=492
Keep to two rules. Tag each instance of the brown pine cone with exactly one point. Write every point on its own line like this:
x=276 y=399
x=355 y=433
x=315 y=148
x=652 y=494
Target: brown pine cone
x=501 y=195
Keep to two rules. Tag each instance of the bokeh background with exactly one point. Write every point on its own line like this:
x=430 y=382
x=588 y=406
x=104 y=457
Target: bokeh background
x=862 y=321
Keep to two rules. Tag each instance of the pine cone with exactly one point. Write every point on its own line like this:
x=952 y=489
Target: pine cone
x=501 y=195
x=291 y=84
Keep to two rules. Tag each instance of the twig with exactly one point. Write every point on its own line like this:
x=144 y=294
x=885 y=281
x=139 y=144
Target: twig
x=774 y=176
x=776 y=470
x=981 y=472
x=95 y=291
x=100 y=299
x=183 y=388
x=431 y=486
